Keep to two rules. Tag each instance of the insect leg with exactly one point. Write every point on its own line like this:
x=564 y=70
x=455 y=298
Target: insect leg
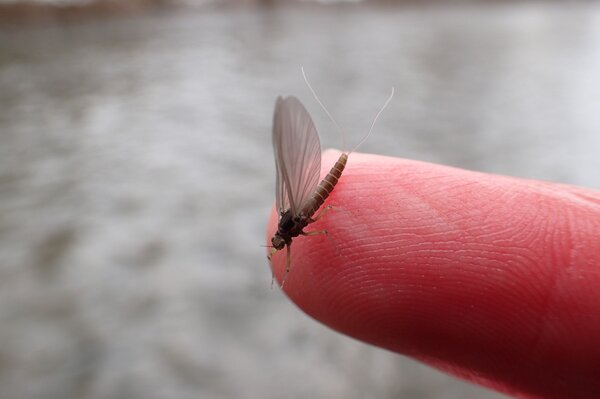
x=314 y=233
x=323 y=212
x=269 y=256
x=271 y=253
x=319 y=232
x=288 y=264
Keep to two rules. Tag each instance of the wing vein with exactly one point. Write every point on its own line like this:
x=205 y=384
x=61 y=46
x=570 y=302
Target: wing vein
x=297 y=154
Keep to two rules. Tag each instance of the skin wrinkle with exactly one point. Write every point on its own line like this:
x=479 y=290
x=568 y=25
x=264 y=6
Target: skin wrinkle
x=546 y=324
x=437 y=243
x=585 y=199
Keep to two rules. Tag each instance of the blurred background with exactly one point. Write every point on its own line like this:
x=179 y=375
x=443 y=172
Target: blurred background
x=137 y=174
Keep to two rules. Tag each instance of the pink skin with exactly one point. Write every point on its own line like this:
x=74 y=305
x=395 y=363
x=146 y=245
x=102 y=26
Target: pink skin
x=491 y=278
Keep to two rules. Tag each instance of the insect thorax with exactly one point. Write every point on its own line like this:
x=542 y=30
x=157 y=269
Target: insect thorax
x=290 y=226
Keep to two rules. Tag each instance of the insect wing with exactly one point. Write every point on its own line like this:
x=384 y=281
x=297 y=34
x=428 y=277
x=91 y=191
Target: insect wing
x=297 y=154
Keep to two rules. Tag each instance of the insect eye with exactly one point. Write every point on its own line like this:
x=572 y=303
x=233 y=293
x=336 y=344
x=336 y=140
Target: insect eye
x=278 y=242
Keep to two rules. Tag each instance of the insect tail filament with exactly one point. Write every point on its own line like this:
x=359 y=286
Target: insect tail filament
x=314 y=93
x=374 y=121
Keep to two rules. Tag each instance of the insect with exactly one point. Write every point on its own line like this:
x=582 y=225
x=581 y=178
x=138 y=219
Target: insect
x=299 y=194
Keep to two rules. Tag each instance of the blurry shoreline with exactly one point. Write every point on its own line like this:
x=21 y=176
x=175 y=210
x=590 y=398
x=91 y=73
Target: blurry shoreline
x=31 y=11
x=37 y=12
x=34 y=12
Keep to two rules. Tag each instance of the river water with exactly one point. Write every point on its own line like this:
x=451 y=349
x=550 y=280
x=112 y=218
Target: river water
x=136 y=176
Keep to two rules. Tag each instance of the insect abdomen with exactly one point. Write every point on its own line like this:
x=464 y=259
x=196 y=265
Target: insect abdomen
x=326 y=185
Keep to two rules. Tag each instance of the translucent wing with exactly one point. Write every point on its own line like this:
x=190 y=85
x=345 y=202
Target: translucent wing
x=297 y=154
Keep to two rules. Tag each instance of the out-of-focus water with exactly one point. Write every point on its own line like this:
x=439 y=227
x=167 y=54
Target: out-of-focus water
x=136 y=176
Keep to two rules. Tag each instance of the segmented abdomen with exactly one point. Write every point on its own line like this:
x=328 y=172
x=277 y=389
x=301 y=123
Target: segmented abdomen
x=326 y=186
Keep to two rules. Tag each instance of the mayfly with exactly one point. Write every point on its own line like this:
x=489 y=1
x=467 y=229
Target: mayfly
x=299 y=194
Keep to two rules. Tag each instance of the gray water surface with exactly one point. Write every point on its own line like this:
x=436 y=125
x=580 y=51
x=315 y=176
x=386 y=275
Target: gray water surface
x=136 y=176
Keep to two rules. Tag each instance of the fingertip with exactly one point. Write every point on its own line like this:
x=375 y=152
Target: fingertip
x=467 y=271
